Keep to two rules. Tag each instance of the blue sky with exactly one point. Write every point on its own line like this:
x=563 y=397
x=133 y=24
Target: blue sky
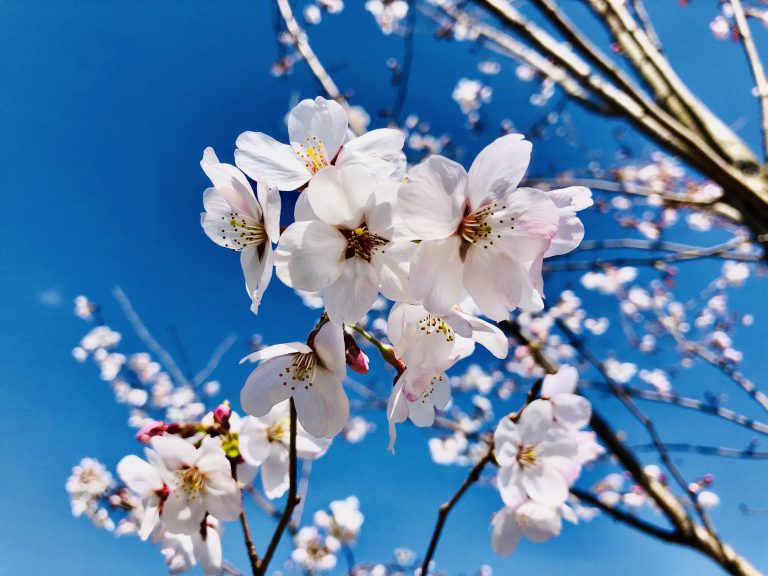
x=105 y=109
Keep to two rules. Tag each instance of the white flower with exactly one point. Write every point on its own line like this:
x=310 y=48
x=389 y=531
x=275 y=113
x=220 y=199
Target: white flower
x=424 y=340
x=344 y=521
x=735 y=273
x=415 y=396
x=314 y=552
x=621 y=372
x=536 y=458
x=470 y=95
x=388 y=13
x=610 y=281
x=311 y=374
x=317 y=130
x=146 y=480
x=537 y=522
x=352 y=250
x=235 y=219
x=265 y=442
x=569 y=410
x=479 y=232
x=570 y=230
x=182 y=552
x=199 y=481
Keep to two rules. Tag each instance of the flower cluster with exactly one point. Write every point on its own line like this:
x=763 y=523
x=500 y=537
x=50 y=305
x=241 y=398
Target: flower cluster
x=540 y=453
x=445 y=244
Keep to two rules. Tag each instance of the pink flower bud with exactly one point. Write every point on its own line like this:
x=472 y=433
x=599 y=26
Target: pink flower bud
x=150 y=429
x=222 y=413
x=708 y=479
x=357 y=360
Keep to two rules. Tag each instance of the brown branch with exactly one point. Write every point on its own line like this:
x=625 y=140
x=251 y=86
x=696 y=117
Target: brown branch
x=630 y=519
x=445 y=509
x=293 y=498
x=253 y=557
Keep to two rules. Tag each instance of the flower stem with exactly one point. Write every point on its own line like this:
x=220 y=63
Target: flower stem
x=386 y=351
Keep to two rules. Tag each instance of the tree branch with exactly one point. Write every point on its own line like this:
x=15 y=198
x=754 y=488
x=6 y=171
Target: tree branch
x=445 y=509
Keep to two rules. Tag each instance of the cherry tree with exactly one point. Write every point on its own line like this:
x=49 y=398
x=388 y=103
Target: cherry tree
x=412 y=258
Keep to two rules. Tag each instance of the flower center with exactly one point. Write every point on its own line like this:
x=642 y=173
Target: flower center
x=361 y=243
x=435 y=325
x=301 y=369
x=278 y=430
x=239 y=231
x=526 y=456
x=484 y=225
x=191 y=480
x=313 y=155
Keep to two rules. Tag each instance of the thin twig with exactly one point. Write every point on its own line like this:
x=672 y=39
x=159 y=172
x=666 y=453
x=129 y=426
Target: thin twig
x=445 y=509
x=143 y=333
x=745 y=453
x=214 y=360
x=253 y=557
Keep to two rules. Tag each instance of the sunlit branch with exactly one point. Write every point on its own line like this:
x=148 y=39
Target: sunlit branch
x=745 y=453
x=300 y=41
x=755 y=64
x=691 y=404
x=214 y=360
x=146 y=337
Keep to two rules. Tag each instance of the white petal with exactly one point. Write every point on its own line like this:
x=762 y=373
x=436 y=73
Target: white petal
x=397 y=411
x=322 y=122
x=139 y=475
x=253 y=440
x=539 y=522
x=308 y=446
x=563 y=382
x=323 y=409
x=329 y=347
x=309 y=255
x=257 y=272
x=436 y=274
x=340 y=196
x=261 y=156
x=498 y=168
x=174 y=452
x=510 y=485
x=536 y=421
x=536 y=219
x=277 y=350
x=183 y=515
x=267 y=385
x=506 y=442
x=378 y=151
x=224 y=501
x=431 y=202
x=544 y=484
x=274 y=472
x=487 y=335
x=506 y=533
x=208 y=552
x=494 y=281
x=302 y=210
x=572 y=410
x=353 y=293
x=392 y=263
x=151 y=516
x=421 y=413
x=269 y=199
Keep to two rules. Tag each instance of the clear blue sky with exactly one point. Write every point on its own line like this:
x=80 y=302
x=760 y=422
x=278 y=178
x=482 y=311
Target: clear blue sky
x=105 y=109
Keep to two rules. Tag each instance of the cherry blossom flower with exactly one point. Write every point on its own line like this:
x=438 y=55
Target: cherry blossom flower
x=535 y=457
x=415 y=396
x=313 y=551
x=265 y=442
x=309 y=373
x=145 y=479
x=234 y=218
x=424 y=340
x=568 y=409
x=317 y=130
x=345 y=520
x=479 y=231
x=182 y=552
x=537 y=522
x=352 y=250
x=199 y=480
x=388 y=13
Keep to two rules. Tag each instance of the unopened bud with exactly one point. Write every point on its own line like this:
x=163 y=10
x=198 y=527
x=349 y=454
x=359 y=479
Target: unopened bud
x=222 y=413
x=150 y=429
